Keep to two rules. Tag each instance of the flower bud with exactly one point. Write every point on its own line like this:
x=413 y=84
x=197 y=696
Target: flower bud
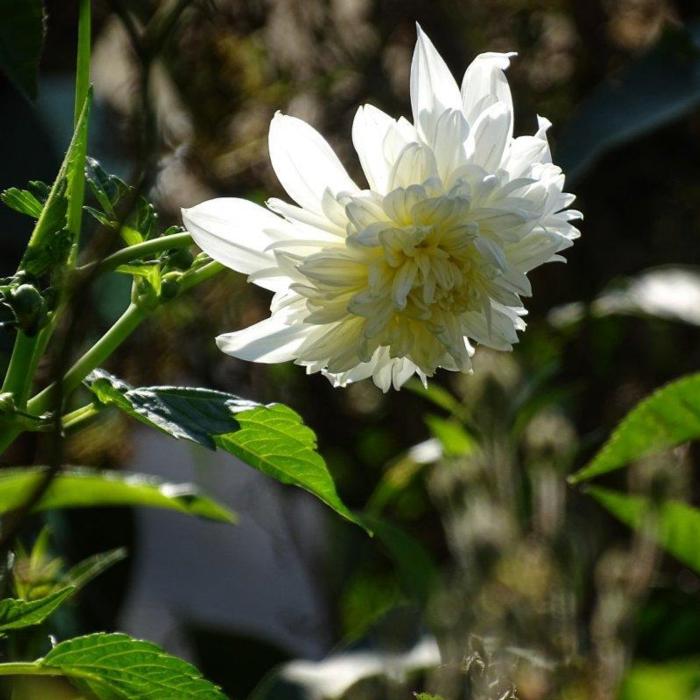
x=180 y=259
x=170 y=285
x=29 y=308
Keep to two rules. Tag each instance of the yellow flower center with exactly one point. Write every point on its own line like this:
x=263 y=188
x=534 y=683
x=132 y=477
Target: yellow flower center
x=412 y=264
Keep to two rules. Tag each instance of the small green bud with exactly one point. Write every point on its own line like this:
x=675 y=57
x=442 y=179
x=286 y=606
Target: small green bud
x=7 y=402
x=29 y=307
x=25 y=298
x=170 y=285
x=180 y=259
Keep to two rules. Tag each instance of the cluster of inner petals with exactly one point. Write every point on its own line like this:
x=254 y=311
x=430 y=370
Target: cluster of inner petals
x=412 y=264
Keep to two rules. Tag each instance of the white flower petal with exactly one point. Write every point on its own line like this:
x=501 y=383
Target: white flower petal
x=304 y=163
x=369 y=131
x=485 y=84
x=450 y=143
x=268 y=341
x=415 y=165
x=433 y=88
x=402 y=370
x=237 y=233
x=527 y=151
x=397 y=137
x=490 y=137
x=297 y=216
x=497 y=332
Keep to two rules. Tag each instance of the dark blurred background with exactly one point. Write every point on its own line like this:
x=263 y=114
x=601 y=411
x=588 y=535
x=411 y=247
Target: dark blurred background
x=620 y=80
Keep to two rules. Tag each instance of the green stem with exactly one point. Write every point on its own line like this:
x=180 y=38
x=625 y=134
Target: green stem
x=19 y=369
x=140 y=250
x=79 y=416
x=27 y=351
x=29 y=668
x=195 y=277
x=95 y=356
x=99 y=352
x=76 y=193
x=82 y=74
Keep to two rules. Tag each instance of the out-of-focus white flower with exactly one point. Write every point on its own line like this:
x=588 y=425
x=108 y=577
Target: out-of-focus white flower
x=334 y=676
x=401 y=277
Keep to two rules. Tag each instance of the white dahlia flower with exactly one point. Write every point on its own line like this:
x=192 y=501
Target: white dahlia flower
x=402 y=276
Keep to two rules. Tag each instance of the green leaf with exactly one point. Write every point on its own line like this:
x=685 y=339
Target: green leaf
x=274 y=440
x=85 y=571
x=271 y=438
x=80 y=487
x=452 y=436
x=100 y=217
x=118 y=666
x=21 y=41
x=668 y=417
x=109 y=191
x=661 y=86
x=427 y=696
x=22 y=201
x=50 y=241
x=182 y=412
x=150 y=273
x=673 y=524
x=677 y=680
x=16 y=613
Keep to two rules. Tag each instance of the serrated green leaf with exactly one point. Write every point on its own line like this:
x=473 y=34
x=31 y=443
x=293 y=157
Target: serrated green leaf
x=101 y=218
x=40 y=190
x=668 y=417
x=118 y=666
x=22 y=201
x=80 y=487
x=16 y=613
x=41 y=259
x=673 y=524
x=21 y=41
x=182 y=412
x=272 y=439
x=427 y=696
x=50 y=241
x=108 y=189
